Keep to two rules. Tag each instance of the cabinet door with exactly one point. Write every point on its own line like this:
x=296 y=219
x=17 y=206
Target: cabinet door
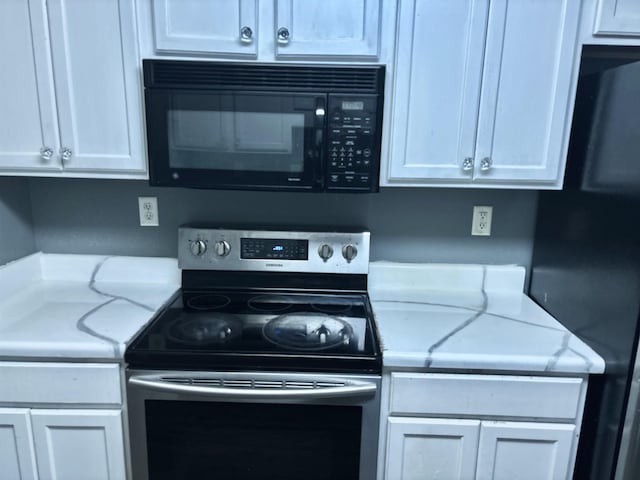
x=618 y=17
x=27 y=105
x=17 y=456
x=98 y=88
x=419 y=448
x=328 y=28
x=435 y=105
x=217 y=27
x=79 y=444
x=525 y=109
x=525 y=451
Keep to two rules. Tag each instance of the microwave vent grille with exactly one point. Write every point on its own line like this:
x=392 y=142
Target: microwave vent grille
x=268 y=77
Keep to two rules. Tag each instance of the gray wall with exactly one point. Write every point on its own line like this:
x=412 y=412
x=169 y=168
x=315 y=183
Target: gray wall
x=420 y=225
x=16 y=229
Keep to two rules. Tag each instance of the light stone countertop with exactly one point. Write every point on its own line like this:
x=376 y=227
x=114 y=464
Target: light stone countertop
x=80 y=307
x=438 y=316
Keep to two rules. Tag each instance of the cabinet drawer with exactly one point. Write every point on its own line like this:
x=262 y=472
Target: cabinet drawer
x=491 y=395
x=60 y=383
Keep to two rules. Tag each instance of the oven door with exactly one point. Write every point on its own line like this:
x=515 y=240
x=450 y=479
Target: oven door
x=235 y=139
x=252 y=426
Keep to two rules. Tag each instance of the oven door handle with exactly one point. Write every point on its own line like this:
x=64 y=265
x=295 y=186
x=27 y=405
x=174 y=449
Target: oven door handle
x=351 y=389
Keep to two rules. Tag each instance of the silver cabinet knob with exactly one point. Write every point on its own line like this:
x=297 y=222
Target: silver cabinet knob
x=283 y=35
x=46 y=153
x=66 y=154
x=485 y=164
x=467 y=164
x=325 y=251
x=222 y=248
x=198 y=247
x=349 y=252
x=246 y=35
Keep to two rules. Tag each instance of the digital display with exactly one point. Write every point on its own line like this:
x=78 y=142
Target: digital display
x=352 y=105
x=274 y=249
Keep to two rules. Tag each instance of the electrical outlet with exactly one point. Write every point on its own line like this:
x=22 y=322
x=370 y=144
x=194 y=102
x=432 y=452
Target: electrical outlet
x=481 y=223
x=148 y=208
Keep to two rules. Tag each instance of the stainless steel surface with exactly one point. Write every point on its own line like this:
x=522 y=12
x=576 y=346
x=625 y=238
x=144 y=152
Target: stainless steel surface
x=139 y=392
x=209 y=260
x=325 y=251
x=66 y=154
x=205 y=384
x=46 y=153
x=467 y=164
x=197 y=247
x=349 y=252
x=283 y=35
x=628 y=463
x=246 y=34
x=485 y=164
x=222 y=248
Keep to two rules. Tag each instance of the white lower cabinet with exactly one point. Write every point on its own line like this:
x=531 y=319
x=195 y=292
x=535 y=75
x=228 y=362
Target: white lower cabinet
x=68 y=425
x=525 y=427
x=61 y=444
x=79 y=444
x=17 y=453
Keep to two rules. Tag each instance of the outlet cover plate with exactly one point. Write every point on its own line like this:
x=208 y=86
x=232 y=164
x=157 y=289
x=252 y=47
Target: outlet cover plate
x=481 y=222
x=148 y=210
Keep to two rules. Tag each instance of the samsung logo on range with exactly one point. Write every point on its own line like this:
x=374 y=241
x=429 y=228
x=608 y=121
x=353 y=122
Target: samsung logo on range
x=273 y=265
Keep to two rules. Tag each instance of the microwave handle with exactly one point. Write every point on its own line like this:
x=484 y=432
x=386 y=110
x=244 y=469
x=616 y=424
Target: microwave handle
x=320 y=116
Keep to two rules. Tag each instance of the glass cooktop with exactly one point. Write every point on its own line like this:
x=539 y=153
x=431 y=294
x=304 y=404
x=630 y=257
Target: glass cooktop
x=204 y=329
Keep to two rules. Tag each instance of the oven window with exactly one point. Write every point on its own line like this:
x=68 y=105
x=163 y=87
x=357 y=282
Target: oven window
x=246 y=441
x=236 y=133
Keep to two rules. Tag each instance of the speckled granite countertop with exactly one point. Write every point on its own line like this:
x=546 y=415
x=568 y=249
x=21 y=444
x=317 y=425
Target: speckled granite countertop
x=80 y=306
x=433 y=316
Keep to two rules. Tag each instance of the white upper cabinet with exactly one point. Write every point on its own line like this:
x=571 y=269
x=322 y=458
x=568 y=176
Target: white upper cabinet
x=265 y=29
x=73 y=91
x=525 y=107
x=332 y=28
x=217 y=27
x=618 y=17
x=437 y=89
x=28 y=125
x=482 y=93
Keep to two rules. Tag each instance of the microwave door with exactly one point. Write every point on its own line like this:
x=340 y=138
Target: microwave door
x=236 y=140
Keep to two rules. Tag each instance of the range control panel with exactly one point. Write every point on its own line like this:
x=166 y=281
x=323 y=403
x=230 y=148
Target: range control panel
x=273 y=250
x=353 y=152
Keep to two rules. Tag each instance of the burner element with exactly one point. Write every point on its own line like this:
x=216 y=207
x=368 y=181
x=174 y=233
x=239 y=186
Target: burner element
x=270 y=303
x=308 y=331
x=332 y=305
x=208 y=301
x=205 y=329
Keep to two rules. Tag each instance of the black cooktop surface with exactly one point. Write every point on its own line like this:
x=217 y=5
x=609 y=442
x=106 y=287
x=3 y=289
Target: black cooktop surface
x=260 y=330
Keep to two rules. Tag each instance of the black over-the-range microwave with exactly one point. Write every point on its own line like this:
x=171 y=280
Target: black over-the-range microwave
x=290 y=127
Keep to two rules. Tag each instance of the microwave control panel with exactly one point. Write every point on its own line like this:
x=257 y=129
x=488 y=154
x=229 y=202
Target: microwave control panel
x=353 y=155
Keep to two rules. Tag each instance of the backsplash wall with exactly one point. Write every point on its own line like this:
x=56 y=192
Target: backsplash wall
x=411 y=225
x=16 y=227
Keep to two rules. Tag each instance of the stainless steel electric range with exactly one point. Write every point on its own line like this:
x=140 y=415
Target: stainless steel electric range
x=266 y=364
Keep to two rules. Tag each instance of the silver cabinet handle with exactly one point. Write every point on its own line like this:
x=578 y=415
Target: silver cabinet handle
x=246 y=35
x=66 y=154
x=283 y=35
x=467 y=164
x=46 y=153
x=355 y=390
x=485 y=164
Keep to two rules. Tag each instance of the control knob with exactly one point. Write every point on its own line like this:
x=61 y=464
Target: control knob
x=222 y=248
x=349 y=252
x=325 y=251
x=198 y=247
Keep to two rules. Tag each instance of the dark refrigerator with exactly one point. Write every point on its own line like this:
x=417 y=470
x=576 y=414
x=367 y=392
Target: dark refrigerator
x=586 y=258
